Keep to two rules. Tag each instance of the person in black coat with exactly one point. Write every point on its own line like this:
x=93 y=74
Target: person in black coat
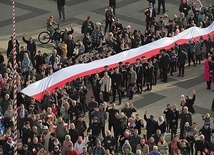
x=161 y=125
x=61 y=9
x=150 y=125
x=139 y=70
x=117 y=79
x=112 y=4
x=161 y=2
x=168 y=115
x=201 y=145
x=173 y=124
x=24 y=150
x=111 y=117
x=206 y=131
x=96 y=87
x=149 y=16
x=149 y=75
x=8 y=148
x=190 y=102
x=10 y=47
x=184 y=7
x=182 y=56
x=164 y=64
x=88 y=23
x=109 y=141
x=31 y=46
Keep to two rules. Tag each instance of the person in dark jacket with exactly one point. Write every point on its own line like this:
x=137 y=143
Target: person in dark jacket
x=31 y=46
x=112 y=4
x=184 y=7
x=201 y=145
x=206 y=131
x=190 y=102
x=164 y=64
x=117 y=79
x=8 y=148
x=128 y=109
x=182 y=56
x=109 y=141
x=168 y=115
x=88 y=23
x=149 y=15
x=150 y=125
x=61 y=9
x=161 y=125
x=91 y=106
x=111 y=117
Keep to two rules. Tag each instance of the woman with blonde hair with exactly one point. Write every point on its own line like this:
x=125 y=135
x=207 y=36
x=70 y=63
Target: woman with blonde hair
x=26 y=62
x=163 y=146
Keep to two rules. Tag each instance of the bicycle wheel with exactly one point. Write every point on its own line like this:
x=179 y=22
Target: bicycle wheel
x=44 y=37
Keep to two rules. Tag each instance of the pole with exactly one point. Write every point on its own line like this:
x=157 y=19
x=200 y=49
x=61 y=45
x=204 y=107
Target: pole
x=15 y=78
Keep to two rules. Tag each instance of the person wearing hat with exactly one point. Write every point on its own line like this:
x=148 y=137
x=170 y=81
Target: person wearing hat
x=206 y=131
x=126 y=148
x=87 y=23
x=150 y=125
x=24 y=150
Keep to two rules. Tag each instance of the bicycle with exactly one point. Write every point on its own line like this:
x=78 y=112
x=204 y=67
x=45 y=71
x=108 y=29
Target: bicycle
x=45 y=36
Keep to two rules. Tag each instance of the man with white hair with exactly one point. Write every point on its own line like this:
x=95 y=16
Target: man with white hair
x=201 y=146
x=185 y=116
x=155 y=151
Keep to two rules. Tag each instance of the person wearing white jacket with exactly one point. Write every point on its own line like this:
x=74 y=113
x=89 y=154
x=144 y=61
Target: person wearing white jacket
x=78 y=146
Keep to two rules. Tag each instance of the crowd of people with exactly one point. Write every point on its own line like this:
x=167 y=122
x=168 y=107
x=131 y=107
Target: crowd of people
x=57 y=124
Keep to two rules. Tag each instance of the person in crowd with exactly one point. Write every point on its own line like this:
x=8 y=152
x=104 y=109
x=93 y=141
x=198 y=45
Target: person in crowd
x=109 y=18
x=111 y=117
x=117 y=79
x=31 y=47
x=185 y=116
x=150 y=14
x=154 y=151
x=182 y=56
x=88 y=23
x=150 y=125
x=92 y=105
x=208 y=72
x=61 y=9
x=106 y=84
x=97 y=36
x=161 y=2
x=184 y=7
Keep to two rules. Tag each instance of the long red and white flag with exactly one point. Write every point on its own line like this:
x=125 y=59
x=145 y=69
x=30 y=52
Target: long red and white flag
x=58 y=79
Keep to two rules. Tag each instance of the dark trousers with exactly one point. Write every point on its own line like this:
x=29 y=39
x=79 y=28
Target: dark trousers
x=105 y=96
x=155 y=77
x=191 y=57
x=209 y=85
x=102 y=130
x=198 y=59
x=108 y=24
x=115 y=88
x=161 y=2
x=110 y=125
x=164 y=74
x=181 y=69
x=148 y=23
x=61 y=11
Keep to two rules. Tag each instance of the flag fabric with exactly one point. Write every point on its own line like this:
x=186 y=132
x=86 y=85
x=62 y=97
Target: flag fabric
x=58 y=79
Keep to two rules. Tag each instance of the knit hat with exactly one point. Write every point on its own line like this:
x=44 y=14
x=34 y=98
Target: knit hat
x=138 y=152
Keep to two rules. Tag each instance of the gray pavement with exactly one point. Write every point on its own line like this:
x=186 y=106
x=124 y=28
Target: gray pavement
x=31 y=19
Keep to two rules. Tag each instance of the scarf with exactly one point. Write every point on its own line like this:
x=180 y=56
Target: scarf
x=159 y=123
x=11 y=144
